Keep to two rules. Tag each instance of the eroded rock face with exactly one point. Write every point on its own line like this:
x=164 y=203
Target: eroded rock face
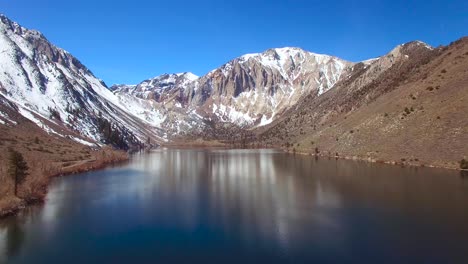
x=248 y=91
x=262 y=86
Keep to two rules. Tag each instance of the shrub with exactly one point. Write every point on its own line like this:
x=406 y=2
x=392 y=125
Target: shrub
x=430 y=88
x=464 y=164
x=443 y=71
x=53 y=113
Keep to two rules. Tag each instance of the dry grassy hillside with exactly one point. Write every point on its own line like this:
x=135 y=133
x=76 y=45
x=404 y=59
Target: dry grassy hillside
x=46 y=155
x=414 y=112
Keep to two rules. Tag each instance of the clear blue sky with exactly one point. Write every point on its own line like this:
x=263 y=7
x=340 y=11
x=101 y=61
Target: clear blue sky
x=129 y=41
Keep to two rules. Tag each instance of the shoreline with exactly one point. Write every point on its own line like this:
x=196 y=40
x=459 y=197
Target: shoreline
x=409 y=163
x=12 y=205
x=376 y=160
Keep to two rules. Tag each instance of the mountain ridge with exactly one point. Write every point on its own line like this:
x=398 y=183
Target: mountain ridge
x=221 y=93
x=242 y=98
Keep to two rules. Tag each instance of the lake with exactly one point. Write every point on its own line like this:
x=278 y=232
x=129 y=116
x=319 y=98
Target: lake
x=244 y=206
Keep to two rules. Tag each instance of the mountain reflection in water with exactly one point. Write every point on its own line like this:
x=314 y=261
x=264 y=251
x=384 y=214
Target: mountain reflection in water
x=235 y=206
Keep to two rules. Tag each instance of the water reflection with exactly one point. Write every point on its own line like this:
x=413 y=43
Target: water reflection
x=13 y=237
x=12 y=233
x=464 y=174
x=239 y=205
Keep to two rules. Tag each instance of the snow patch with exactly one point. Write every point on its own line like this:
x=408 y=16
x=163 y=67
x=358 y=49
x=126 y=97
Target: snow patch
x=265 y=121
x=424 y=44
x=84 y=142
x=6 y=119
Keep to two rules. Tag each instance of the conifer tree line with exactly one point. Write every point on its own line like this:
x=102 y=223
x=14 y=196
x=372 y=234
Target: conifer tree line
x=114 y=135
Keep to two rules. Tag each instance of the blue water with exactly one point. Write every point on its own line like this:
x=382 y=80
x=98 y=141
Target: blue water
x=245 y=206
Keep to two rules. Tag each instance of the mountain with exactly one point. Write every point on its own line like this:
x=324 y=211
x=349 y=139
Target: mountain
x=164 y=98
x=249 y=91
x=164 y=88
x=53 y=89
x=414 y=98
x=255 y=88
x=408 y=106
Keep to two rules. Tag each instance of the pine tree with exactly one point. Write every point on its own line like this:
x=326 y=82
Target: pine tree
x=17 y=168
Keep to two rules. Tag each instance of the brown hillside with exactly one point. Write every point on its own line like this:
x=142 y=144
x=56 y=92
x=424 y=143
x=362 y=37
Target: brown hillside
x=414 y=111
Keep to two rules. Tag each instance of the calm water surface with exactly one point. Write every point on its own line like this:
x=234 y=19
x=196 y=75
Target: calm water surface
x=245 y=206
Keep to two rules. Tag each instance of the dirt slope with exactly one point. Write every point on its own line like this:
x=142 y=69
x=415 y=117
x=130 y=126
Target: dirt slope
x=416 y=112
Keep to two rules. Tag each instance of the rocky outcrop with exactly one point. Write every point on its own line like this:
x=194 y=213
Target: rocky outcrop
x=257 y=88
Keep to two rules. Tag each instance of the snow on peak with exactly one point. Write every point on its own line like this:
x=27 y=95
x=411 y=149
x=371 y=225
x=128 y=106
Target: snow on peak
x=288 y=51
x=273 y=54
x=418 y=42
x=369 y=61
x=279 y=56
x=174 y=77
x=7 y=24
x=188 y=75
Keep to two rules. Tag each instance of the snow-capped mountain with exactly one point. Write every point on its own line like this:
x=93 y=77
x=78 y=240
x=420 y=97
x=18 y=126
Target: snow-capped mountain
x=253 y=89
x=50 y=87
x=249 y=91
x=164 y=102
x=160 y=89
x=53 y=89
